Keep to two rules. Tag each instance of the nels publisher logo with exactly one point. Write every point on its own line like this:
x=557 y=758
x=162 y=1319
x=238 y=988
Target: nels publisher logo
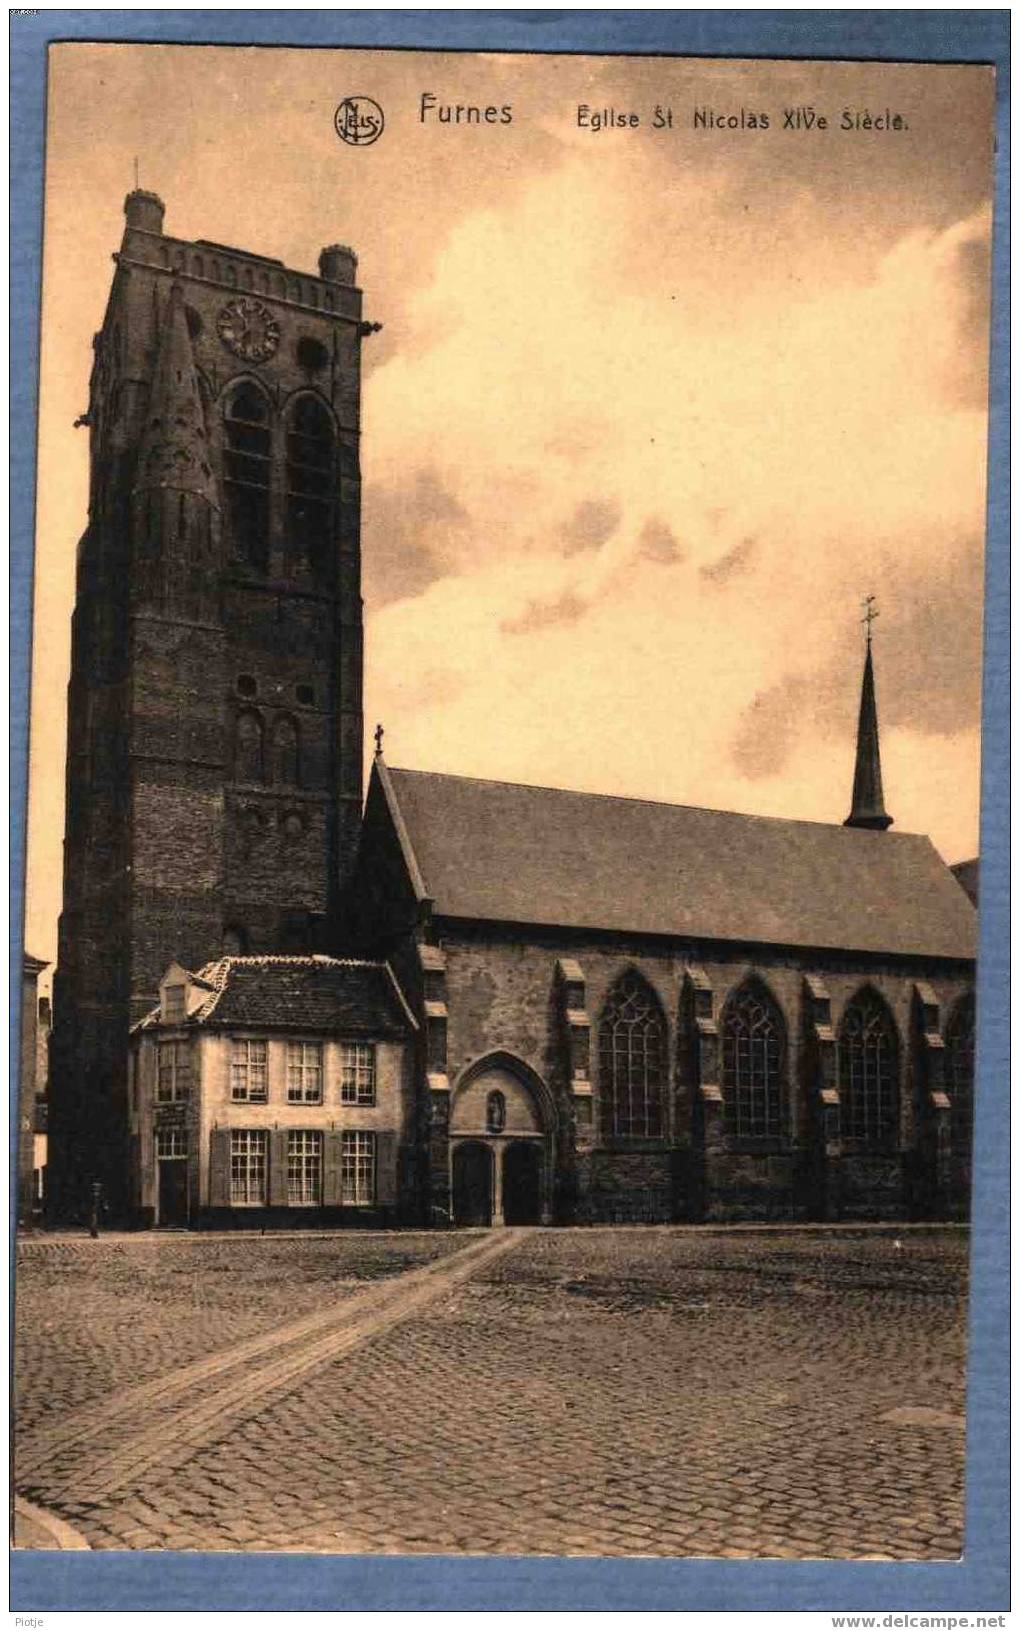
x=359 y=121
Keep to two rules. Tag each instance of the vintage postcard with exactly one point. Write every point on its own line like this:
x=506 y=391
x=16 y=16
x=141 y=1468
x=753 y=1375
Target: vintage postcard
x=501 y=940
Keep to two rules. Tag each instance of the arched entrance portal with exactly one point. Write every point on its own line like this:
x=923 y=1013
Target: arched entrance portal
x=472 y=1185
x=501 y=1144
x=522 y=1183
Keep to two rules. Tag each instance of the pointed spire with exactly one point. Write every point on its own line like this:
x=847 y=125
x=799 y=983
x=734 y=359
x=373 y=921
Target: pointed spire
x=174 y=450
x=868 y=802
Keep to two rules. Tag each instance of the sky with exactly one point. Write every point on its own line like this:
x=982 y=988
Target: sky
x=650 y=412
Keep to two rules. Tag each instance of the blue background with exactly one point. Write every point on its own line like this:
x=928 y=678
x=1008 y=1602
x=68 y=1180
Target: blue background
x=134 y=1580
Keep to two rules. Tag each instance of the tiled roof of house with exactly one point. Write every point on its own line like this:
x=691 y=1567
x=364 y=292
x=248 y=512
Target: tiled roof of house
x=504 y=852
x=968 y=876
x=311 y=993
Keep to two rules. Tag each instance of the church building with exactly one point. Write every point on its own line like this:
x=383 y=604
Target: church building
x=474 y=1002
x=643 y=1012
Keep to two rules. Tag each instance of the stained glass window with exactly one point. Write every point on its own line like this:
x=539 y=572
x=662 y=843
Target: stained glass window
x=869 y=1073
x=632 y=1061
x=753 y=1051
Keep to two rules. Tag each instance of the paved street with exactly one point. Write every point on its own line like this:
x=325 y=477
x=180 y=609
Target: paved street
x=645 y=1391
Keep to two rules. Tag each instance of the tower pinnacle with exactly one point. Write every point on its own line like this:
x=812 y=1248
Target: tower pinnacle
x=174 y=449
x=868 y=804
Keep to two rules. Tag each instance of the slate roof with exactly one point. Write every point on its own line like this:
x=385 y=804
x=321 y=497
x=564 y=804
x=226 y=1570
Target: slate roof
x=504 y=852
x=299 y=993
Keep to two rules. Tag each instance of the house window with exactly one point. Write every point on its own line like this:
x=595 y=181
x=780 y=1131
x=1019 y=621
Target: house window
x=173 y=1003
x=246 y=474
x=304 y=1169
x=304 y=1072
x=173 y=1081
x=357 y=1169
x=171 y=1144
x=753 y=1051
x=249 y=1072
x=960 y=1073
x=248 y=1168
x=632 y=1056
x=357 y=1073
x=310 y=484
x=869 y=1073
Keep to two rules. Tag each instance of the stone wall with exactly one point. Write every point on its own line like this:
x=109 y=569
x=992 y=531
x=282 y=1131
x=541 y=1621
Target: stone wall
x=502 y=994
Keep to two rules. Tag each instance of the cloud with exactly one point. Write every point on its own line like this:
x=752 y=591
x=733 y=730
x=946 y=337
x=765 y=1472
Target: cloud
x=732 y=564
x=592 y=523
x=545 y=614
x=927 y=661
x=414 y=528
x=658 y=542
x=802 y=432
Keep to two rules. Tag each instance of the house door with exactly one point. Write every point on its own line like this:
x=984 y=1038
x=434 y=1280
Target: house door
x=522 y=1183
x=173 y=1192
x=472 y=1185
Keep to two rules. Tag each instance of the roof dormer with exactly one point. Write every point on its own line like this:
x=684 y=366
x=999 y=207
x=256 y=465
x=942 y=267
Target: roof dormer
x=180 y=993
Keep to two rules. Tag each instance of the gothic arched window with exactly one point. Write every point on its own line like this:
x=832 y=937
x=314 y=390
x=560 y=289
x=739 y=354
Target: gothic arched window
x=246 y=473
x=249 y=765
x=869 y=1073
x=960 y=1072
x=310 y=483
x=632 y=1061
x=285 y=753
x=753 y=1053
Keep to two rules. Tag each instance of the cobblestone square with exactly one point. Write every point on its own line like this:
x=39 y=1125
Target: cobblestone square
x=633 y=1391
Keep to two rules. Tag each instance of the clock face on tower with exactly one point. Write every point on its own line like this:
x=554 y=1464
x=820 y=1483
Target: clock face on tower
x=249 y=329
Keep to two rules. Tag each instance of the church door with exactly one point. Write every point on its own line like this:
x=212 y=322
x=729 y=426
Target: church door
x=522 y=1183
x=472 y=1185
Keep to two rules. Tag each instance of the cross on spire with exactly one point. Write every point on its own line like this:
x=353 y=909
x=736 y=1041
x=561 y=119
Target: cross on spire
x=870 y=614
x=378 y=741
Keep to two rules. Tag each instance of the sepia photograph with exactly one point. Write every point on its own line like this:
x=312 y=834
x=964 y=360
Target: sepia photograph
x=500 y=982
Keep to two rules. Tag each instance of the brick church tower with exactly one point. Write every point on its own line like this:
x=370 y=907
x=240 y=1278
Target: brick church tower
x=214 y=709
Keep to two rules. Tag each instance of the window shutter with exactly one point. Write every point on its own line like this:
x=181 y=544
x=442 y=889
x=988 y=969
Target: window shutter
x=331 y=1168
x=136 y=1169
x=386 y=1169
x=147 y=1163
x=278 y=1167
x=219 y=1166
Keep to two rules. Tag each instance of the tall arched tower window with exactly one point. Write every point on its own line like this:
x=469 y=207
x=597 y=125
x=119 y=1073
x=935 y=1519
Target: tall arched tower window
x=311 y=455
x=249 y=765
x=754 y=1057
x=960 y=1072
x=632 y=1061
x=246 y=453
x=285 y=753
x=869 y=1073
